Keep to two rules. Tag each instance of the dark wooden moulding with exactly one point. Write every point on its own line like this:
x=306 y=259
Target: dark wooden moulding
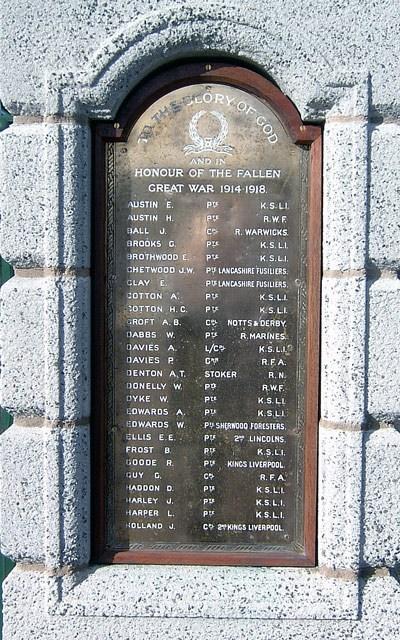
x=136 y=103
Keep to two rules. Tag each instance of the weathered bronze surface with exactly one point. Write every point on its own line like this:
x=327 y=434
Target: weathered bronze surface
x=207 y=303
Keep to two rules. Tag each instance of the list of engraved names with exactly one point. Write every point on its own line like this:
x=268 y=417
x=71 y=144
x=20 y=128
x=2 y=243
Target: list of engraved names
x=207 y=294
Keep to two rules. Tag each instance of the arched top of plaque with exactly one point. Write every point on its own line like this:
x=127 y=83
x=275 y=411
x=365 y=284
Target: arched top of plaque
x=222 y=73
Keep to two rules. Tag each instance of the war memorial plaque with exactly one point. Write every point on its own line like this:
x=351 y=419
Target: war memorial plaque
x=209 y=324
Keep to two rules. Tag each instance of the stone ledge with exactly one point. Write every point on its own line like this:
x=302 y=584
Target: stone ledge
x=42 y=569
x=376 y=614
x=341 y=426
x=46 y=272
x=369 y=425
x=38 y=421
x=50 y=119
x=206 y=592
x=372 y=272
x=344 y=273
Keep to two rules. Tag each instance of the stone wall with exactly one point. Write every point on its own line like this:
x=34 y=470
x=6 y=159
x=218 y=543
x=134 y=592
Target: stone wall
x=70 y=62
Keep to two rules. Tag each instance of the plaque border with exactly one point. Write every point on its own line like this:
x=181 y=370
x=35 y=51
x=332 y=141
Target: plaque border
x=152 y=88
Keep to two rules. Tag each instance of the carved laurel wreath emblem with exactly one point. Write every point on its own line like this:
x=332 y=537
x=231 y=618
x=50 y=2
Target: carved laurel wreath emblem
x=215 y=143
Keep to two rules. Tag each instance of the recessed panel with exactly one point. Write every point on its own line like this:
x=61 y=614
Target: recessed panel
x=206 y=244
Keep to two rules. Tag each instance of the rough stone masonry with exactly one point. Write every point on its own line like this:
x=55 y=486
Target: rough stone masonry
x=68 y=63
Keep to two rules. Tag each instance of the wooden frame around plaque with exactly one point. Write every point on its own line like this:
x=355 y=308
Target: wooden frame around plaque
x=189 y=542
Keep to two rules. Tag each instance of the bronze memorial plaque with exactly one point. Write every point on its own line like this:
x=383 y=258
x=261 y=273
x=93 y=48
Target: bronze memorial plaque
x=208 y=453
